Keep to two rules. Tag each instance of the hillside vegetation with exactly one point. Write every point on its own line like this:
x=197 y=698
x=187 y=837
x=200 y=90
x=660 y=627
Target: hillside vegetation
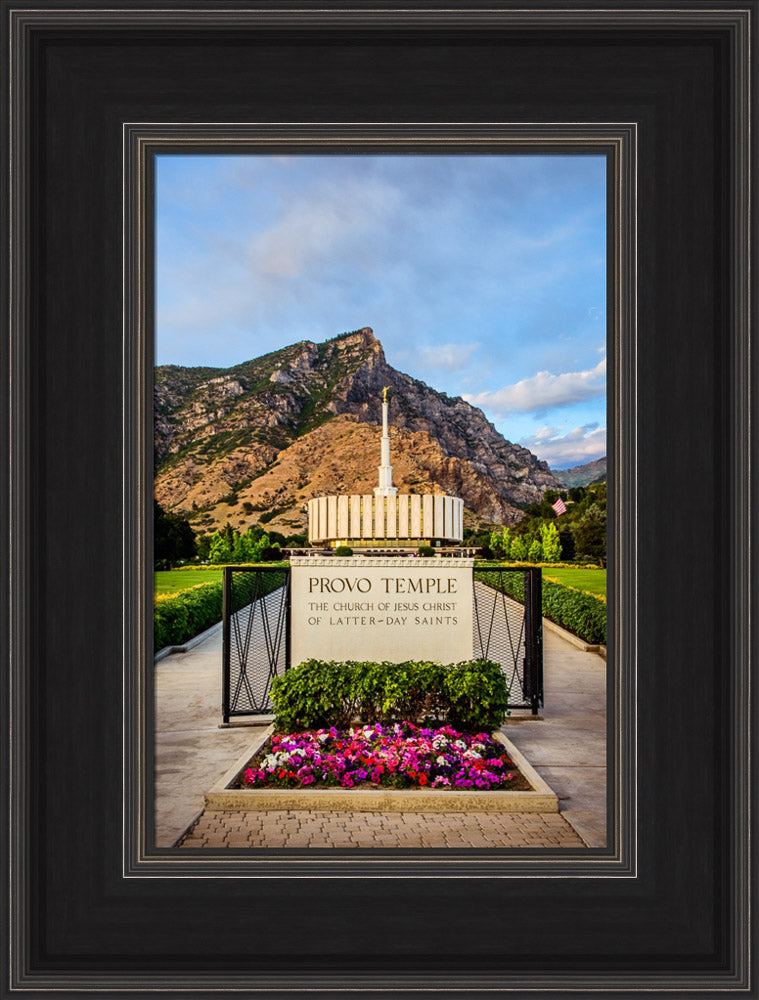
x=253 y=443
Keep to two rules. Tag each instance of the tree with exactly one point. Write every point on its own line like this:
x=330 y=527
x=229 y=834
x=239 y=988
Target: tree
x=549 y=536
x=494 y=542
x=203 y=543
x=589 y=533
x=295 y=541
x=258 y=549
x=174 y=539
x=243 y=549
x=238 y=549
x=500 y=543
x=220 y=550
x=252 y=544
x=535 y=552
x=519 y=549
x=477 y=539
x=567 y=544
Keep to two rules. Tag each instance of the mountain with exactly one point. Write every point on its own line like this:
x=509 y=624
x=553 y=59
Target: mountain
x=256 y=441
x=583 y=475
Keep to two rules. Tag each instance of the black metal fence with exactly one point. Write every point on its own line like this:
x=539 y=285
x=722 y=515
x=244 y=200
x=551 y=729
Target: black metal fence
x=508 y=628
x=256 y=636
x=507 y=620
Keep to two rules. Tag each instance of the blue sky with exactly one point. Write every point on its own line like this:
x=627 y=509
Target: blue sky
x=484 y=276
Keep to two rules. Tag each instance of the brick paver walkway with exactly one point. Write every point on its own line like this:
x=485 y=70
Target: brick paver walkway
x=291 y=828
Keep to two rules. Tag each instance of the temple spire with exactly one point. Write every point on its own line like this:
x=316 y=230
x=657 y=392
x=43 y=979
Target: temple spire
x=385 y=488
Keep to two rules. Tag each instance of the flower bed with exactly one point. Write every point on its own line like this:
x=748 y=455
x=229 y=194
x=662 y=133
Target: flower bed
x=401 y=756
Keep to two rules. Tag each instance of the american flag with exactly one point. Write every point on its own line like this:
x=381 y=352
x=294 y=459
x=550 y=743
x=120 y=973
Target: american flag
x=559 y=507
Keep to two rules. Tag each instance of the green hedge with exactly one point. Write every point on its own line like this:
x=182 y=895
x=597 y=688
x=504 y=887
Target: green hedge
x=581 y=614
x=177 y=619
x=182 y=616
x=577 y=612
x=471 y=696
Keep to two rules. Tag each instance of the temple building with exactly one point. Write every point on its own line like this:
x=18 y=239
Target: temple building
x=387 y=519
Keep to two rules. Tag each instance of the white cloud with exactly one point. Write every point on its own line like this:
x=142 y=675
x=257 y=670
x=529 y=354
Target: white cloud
x=446 y=357
x=316 y=230
x=310 y=251
x=580 y=445
x=544 y=391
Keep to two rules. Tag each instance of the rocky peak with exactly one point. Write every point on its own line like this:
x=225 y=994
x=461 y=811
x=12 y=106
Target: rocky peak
x=259 y=409
x=300 y=365
x=358 y=338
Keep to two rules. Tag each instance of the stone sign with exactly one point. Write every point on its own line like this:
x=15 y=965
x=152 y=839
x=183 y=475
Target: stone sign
x=368 y=608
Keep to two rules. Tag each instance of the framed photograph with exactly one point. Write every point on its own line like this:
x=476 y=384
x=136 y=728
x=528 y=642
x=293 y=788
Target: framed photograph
x=95 y=98
x=268 y=465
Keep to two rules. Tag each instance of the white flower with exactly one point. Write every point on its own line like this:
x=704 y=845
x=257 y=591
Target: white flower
x=441 y=760
x=461 y=744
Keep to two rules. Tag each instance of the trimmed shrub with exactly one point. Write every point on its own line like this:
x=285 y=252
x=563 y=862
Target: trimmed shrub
x=472 y=695
x=425 y=550
x=180 y=617
x=580 y=613
x=343 y=550
x=477 y=694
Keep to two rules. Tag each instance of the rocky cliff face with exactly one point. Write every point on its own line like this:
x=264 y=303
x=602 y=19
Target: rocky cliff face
x=267 y=435
x=583 y=475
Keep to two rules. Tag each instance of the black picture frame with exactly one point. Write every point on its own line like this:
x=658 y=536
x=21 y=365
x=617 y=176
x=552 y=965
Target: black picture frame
x=91 y=910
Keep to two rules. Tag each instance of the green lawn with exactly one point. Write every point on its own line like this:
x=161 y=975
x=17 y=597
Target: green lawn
x=593 y=580
x=171 y=581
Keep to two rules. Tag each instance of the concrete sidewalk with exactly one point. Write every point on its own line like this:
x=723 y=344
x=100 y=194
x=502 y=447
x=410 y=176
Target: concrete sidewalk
x=567 y=747
x=191 y=751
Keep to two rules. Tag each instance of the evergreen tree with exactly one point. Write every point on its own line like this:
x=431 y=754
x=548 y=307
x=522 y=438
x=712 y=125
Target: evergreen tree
x=173 y=537
x=567 y=544
x=535 y=552
x=589 y=533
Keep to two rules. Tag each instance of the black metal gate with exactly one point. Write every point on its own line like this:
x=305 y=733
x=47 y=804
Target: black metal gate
x=508 y=628
x=256 y=636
